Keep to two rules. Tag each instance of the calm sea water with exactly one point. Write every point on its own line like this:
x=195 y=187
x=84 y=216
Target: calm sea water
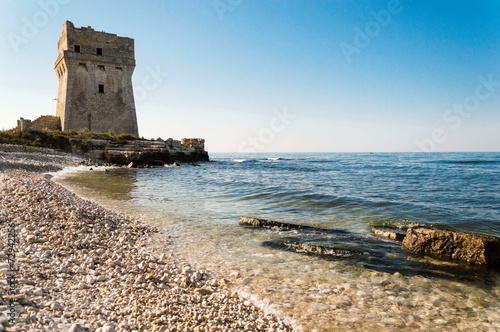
x=380 y=287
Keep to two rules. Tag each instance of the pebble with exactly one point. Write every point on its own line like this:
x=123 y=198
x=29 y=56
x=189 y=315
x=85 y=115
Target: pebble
x=76 y=328
x=38 y=292
x=84 y=260
x=56 y=306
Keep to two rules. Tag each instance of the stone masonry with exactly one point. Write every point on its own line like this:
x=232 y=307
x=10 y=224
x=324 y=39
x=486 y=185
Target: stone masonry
x=44 y=122
x=95 y=81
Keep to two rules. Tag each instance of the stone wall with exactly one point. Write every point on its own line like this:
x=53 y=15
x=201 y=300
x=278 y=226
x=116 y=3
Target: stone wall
x=95 y=81
x=24 y=124
x=44 y=122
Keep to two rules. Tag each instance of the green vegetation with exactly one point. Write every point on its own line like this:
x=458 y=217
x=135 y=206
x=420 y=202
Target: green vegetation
x=44 y=138
x=57 y=139
x=105 y=153
x=63 y=134
x=123 y=138
x=84 y=134
x=19 y=138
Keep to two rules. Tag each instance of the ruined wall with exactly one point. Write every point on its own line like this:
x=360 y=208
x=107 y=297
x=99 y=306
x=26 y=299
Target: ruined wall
x=24 y=124
x=44 y=122
x=95 y=81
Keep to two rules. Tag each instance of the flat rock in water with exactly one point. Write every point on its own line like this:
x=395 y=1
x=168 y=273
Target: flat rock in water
x=457 y=246
x=256 y=222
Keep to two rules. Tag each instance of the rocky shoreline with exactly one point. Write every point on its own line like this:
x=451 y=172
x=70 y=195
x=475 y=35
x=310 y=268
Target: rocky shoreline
x=68 y=264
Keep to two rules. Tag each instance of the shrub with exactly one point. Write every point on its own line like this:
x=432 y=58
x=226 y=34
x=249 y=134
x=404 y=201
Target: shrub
x=126 y=137
x=19 y=138
x=84 y=133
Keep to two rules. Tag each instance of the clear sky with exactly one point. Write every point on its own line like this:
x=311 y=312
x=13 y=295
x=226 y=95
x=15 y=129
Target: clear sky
x=280 y=76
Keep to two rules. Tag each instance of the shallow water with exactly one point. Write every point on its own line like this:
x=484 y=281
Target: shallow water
x=379 y=288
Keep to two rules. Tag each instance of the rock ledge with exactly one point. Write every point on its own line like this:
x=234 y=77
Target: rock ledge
x=457 y=246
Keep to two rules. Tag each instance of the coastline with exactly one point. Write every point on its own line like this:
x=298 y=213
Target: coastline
x=72 y=265
x=320 y=294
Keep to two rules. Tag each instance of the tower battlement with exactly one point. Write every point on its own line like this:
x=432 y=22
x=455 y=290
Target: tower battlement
x=95 y=81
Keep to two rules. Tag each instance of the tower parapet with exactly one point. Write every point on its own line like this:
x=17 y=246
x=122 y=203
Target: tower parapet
x=95 y=81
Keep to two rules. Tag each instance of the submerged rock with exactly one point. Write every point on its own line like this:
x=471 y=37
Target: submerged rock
x=256 y=222
x=315 y=249
x=388 y=233
x=478 y=250
x=457 y=246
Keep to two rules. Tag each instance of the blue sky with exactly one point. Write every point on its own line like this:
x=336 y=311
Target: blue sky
x=281 y=76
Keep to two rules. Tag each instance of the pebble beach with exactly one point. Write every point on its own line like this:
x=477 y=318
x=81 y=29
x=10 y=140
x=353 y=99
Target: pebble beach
x=68 y=264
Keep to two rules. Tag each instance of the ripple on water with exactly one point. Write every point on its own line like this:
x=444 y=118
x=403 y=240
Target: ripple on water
x=321 y=295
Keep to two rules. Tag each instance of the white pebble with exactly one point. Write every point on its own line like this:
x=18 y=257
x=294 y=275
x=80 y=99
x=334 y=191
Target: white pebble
x=56 y=306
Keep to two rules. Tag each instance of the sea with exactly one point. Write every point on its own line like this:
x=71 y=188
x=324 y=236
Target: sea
x=359 y=282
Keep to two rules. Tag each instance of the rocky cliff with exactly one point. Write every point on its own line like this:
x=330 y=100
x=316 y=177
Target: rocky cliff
x=141 y=153
x=111 y=148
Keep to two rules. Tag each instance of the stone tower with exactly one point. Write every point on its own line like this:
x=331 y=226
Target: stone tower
x=95 y=81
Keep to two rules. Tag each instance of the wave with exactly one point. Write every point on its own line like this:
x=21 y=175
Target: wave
x=303 y=200
x=67 y=171
x=251 y=160
x=401 y=224
x=465 y=162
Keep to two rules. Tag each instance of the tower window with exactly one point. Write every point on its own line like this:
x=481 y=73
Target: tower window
x=99 y=51
x=77 y=48
x=101 y=88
